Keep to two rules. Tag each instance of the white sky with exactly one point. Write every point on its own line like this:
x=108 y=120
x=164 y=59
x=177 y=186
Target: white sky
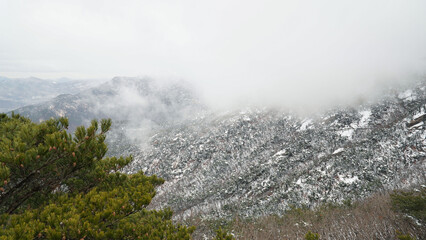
x=236 y=51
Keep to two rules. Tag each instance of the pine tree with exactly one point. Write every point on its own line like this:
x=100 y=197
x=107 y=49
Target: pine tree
x=223 y=235
x=410 y=202
x=312 y=236
x=58 y=186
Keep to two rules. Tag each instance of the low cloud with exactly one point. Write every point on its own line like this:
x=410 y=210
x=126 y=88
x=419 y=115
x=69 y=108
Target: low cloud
x=279 y=53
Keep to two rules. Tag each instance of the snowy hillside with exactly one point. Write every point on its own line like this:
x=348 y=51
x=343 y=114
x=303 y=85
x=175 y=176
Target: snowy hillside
x=257 y=161
x=260 y=161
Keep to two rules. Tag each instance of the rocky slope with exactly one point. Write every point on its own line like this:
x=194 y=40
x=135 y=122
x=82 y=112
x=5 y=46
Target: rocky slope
x=259 y=162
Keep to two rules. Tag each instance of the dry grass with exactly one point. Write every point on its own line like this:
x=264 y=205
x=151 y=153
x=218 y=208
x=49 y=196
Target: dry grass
x=371 y=218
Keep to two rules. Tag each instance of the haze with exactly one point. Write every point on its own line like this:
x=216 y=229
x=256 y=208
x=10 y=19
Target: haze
x=280 y=53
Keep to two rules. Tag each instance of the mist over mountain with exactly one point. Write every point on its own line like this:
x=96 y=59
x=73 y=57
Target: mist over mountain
x=249 y=110
x=138 y=103
x=254 y=161
x=259 y=162
x=19 y=92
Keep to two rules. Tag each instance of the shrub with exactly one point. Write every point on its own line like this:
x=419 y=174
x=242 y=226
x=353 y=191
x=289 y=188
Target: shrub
x=312 y=236
x=412 y=203
x=401 y=236
x=58 y=186
x=223 y=235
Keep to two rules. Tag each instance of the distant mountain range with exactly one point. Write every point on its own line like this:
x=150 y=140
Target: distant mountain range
x=139 y=103
x=256 y=161
x=19 y=92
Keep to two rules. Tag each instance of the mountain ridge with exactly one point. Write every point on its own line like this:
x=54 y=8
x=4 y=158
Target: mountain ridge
x=261 y=162
x=19 y=92
x=257 y=161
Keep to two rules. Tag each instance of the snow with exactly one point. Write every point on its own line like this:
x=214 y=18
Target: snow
x=421 y=113
x=417 y=125
x=305 y=124
x=307 y=175
x=407 y=95
x=418 y=223
x=339 y=150
x=348 y=180
x=60 y=113
x=323 y=173
x=246 y=119
x=363 y=122
x=346 y=133
x=282 y=152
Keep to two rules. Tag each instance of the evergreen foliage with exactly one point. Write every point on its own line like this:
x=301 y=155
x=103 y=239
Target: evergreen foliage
x=401 y=236
x=312 y=236
x=412 y=203
x=223 y=235
x=58 y=186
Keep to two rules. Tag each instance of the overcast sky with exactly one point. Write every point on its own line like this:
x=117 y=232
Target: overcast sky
x=235 y=51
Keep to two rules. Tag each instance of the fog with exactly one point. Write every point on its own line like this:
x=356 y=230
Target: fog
x=302 y=54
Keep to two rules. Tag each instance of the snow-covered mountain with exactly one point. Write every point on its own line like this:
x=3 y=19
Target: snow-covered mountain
x=257 y=161
x=139 y=102
x=15 y=93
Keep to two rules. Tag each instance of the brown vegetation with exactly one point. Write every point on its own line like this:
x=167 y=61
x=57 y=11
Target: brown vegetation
x=372 y=218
